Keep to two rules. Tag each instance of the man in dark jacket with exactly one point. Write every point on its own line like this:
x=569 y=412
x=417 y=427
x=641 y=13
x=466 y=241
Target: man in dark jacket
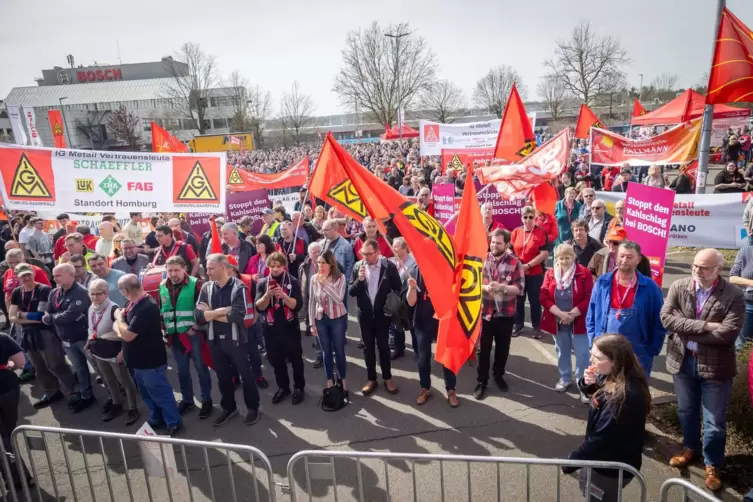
x=234 y=246
x=373 y=278
x=67 y=311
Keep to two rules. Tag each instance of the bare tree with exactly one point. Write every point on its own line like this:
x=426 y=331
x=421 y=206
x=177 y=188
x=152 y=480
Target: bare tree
x=553 y=92
x=93 y=127
x=191 y=90
x=587 y=63
x=126 y=126
x=494 y=88
x=666 y=82
x=295 y=112
x=443 y=100
x=702 y=85
x=383 y=74
x=237 y=94
x=259 y=110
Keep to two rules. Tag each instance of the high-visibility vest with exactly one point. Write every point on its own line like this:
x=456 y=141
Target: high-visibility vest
x=178 y=318
x=272 y=230
x=250 y=316
x=86 y=259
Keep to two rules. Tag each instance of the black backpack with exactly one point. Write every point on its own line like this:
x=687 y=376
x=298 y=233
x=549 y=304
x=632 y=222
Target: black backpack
x=333 y=398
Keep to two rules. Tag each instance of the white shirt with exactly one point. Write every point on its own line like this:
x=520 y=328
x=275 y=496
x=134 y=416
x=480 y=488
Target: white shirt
x=23 y=235
x=103 y=246
x=594 y=228
x=372 y=279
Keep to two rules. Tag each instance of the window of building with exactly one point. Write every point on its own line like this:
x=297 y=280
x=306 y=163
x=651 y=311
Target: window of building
x=189 y=124
x=207 y=124
x=220 y=123
x=147 y=123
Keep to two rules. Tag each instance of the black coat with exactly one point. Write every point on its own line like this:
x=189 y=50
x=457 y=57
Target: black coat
x=245 y=253
x=389 y=281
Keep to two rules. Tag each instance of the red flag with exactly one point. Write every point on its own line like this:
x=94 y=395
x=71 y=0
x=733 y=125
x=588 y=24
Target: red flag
x=544 y=198
x=638 y=109
x=515 y=139
x=216 y=239
x=57 y=126
x=240 y=180
x=731 y=76
x=456 y=340
x=432 y=247
x=586 y=120
x=163 y=141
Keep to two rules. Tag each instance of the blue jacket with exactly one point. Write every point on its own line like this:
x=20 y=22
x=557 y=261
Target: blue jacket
x=563 y=222
x=344 y=255
x=68 y=312
x=648 y=302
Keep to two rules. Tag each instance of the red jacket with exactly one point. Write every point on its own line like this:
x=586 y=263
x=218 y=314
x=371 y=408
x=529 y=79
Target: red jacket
x=583 y=284
x=548 y=224
x=384 y=246
x=90 y=241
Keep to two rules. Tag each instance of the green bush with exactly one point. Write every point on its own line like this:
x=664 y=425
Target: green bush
x=740 y=408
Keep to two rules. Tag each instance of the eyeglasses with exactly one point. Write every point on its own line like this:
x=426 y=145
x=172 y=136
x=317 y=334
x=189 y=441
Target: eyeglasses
x=96 y=294
x=366 y=255
x=594 y=208
x=702 y=268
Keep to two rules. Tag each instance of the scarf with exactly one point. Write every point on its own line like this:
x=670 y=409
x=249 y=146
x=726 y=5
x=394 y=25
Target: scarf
x=274 y=303
x=564 y=280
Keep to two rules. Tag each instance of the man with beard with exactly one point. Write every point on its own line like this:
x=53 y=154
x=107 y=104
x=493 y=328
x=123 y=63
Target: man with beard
x=170 y=247
x=294 y=249
x=132 y=262
x=176 y=225
x=503 y=282
x=279 y=300
x=232 y=245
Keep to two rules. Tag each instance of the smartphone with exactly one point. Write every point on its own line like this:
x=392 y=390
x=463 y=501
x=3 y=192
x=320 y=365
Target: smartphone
x=272 y=283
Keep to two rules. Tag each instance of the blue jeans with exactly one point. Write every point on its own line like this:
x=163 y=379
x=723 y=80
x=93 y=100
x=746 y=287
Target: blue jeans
x=332 y=338
x=746 y=333
x=185 y=381
x=696 y=394
x=424 y=339
x=566 y=343
x=254 y=335
x=158 y=395
x=75 y=352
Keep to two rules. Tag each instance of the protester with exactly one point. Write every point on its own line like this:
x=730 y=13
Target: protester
x=616 y=428
x=604 y=260
x=683 y=184
x=584 y=245
x=132 y=262
x=371 y=232
x=599 y=222
x=503 y=287
x=565 y=212
x=232 y=245
x=319 y=217
x=587 y=198
x=566 y=181
x=729 y=180
x=654 y=177
x=279 y=300
x=106 y=349
x=548 y=224
x=425 y=203
x=490 y=224
x=59 y=244
x=271 y=226
x=222 y=308
x=106 y=235
x=530 y=244
x=170 y=247
x=176 y=225
x=11 y=357
x=89 y=239
x=621 y=182
x=733 y=151
x=329 y=316
x=257 y=264
x=294 y=249
x=340 y=248
x=373 y=278
x=133 y=229
x=741 y=275
x=74 y=244
x=628 y=303
x=178 y=295
x=82 y=275
x=565 y=295
x=405 y=262
x=38 y=243
x=139 y=326
x=704 y=315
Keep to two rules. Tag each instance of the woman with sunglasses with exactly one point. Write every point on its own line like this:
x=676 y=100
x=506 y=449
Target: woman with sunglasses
x=531 y=245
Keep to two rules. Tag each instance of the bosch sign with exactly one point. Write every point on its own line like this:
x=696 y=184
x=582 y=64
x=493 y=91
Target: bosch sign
x=99 y=75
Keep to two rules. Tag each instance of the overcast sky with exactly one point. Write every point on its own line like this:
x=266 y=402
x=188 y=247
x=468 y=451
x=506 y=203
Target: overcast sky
x=273 y=42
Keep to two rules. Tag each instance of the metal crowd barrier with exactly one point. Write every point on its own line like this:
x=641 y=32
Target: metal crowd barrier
x=687 y=487
x=88 y=465
x=319 y=466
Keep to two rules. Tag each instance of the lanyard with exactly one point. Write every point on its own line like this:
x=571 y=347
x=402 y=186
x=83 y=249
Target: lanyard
x=97 y=319
x=569 y=212
x=27 y=307
x=633 y=282
x=525 y=240
x=59 y=298
x=705 y=296
x=133 y=304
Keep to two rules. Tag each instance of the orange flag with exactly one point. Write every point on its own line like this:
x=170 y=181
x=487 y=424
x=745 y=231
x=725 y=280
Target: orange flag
x=216 y=239
x=433 y=248
x=456 y=340
x=57 y=126
x=544 y=198
x=638 y=109
x=515 y=139
x=163 y=141
x=586 y=120
x=731 y=76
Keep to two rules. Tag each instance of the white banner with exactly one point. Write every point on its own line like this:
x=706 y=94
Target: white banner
x=719 y=128
x=436 y=136
x=31 y=125
x=91 y=181
x=709 y=220
x=17 y=124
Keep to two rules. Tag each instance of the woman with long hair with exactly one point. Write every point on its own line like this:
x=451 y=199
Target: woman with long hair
x=327 y=310
x=729 y=180
x=620 y=401
x=257 y=264
x=319 y=217
x=655 y=177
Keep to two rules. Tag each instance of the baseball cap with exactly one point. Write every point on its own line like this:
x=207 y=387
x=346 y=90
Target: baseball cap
x=617 y=234
x=23 y=269
x=267 y=211
x=72 y=224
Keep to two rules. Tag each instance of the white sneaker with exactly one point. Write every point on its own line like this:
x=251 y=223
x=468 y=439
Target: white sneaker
x=585 y=399
x=562 y=386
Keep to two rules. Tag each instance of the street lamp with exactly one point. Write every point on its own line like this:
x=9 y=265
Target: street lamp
x=640 y=89
x=65 y=122
x=397 y=37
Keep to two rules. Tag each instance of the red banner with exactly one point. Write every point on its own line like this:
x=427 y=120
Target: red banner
x=586 y=120
x=57 y=127
x=678 y=145
x=240 y=180
x=163 y=141
x=458 y=158
x=731 y=78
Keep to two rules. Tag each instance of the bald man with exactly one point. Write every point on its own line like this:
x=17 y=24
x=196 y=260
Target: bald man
x=704 y=314
x=106 y=234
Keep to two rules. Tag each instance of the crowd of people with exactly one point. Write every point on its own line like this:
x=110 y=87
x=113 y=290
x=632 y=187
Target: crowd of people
x=79 y=311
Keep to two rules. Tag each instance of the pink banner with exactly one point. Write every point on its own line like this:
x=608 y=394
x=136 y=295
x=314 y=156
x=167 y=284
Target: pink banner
x=648 y=216
x=445 y=203
x=506 y=212
x=237 y=205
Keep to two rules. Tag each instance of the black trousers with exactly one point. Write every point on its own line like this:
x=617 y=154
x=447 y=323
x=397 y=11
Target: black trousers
x=9 y=415
x=498 y=331
x=229 y=357
x=283 y=345
x=375 y=333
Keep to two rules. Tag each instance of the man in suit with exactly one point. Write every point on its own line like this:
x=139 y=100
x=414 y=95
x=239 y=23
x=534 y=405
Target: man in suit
x=373 y=278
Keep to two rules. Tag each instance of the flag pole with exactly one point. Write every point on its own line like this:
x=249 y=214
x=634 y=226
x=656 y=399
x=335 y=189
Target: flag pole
x=708 y=114
x=300 y=220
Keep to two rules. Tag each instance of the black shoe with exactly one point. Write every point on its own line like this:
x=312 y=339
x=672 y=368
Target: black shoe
x=298 y=396
x=480 y=391
x=161 y=425
x=251 y=417
x=500 y=381
x=184 y=407
x=262 y=383
x=173 y=430
x=47 y=400
x=206 y=410
x=72 y=399
x=396 y=354
x=318 y=362
x=361 y=345
x=308 y=333
x=98 y=380
x=82 y=404
x=516 y=331
x=132 y=416
x=27 y=376
x=107 y=407
x=112 y=412
x=280 y=395
x=225 y=415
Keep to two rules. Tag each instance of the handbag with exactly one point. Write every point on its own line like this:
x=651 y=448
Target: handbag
x=333 y=398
